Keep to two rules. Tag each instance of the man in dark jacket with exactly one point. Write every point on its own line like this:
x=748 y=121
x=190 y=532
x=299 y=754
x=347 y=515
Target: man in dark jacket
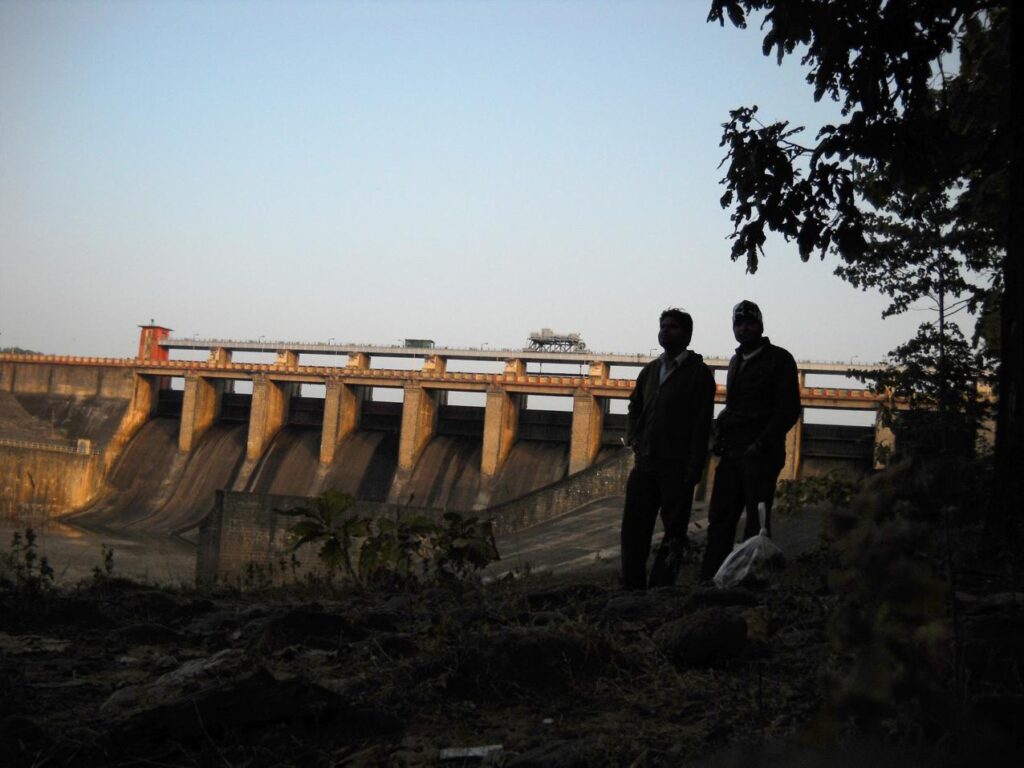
x=670 y=414
x=762 y=403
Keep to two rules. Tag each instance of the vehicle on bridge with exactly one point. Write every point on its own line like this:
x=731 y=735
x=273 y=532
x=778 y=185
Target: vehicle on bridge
x=547 y=340
x=420 y=343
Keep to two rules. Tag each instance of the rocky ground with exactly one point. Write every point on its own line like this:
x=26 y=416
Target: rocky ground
x=535 y=671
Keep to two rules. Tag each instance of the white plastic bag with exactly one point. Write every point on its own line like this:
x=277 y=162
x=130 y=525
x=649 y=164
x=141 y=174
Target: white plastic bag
x=752 y=561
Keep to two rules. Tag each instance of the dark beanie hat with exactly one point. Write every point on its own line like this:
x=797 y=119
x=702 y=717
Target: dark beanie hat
x=747 y=309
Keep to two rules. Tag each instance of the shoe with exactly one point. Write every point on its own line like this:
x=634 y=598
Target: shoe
x=671 y=555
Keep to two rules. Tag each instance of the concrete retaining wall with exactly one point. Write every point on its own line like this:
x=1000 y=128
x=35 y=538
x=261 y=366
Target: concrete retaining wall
x=606 y=478
x=242 y=529
x=245 y=538
x=76 y=380
x=39 y=484
x=100 y=405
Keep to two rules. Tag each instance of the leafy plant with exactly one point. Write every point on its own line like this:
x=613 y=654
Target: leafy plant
x=105 y=569
x=390 y=555
x=463 y=545
x=22 y=568
x=890 y=626
x=835 y=487
x=328 y=521
x=937 y=374
x=392 y=551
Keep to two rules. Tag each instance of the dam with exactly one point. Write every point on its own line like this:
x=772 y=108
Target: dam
x=143 y=443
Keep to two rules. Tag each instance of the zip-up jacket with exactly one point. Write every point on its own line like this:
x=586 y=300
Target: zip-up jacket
x=762 y=402
x=670 y=422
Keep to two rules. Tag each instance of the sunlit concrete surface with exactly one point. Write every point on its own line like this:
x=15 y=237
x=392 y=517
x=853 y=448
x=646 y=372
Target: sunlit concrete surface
x=587 y=539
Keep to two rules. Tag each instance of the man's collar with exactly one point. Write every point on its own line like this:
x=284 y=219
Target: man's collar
x=678 y=359
x=761 y=344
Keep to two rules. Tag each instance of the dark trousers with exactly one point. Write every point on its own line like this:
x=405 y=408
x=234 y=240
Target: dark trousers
x=740 y=483
x=648 y=490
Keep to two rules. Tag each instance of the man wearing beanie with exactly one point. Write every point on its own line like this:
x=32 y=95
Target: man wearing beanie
x=670 y=414
x=762 y=403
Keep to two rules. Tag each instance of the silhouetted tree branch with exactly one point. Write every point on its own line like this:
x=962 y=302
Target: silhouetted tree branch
x=912 y=188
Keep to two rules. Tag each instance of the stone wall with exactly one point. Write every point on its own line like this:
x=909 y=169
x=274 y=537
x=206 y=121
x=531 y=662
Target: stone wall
x=242 y=529
x=37 y=484
x=89 y=413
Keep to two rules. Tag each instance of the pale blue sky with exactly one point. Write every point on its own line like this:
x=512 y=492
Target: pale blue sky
x=464 y=171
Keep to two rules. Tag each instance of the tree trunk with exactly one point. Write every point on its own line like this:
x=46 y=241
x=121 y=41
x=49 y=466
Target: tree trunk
x=1002 y=523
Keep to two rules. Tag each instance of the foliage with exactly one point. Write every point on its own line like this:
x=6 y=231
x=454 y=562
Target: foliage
x=463 y=545
x=392 y=552
x=328 y=522
x=918 y=253
x=835 y=487
x=21 y=568
x=911 y=188
x=917 y=249
x=905 y=131
x=937 y=376
x=396 y=551
x=105 y=569
x=890 y=626
x=266 y=576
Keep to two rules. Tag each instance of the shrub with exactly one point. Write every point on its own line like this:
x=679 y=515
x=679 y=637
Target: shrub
x=392 y=551
x=22 y=568
x=836 y=487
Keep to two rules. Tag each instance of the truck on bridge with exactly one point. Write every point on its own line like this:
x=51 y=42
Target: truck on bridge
x=420 y=343
x=547 y=340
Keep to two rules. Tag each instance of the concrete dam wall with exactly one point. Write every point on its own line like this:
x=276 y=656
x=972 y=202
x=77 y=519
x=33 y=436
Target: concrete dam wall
x=105 y=446
x=121 y=449
x=158 y=488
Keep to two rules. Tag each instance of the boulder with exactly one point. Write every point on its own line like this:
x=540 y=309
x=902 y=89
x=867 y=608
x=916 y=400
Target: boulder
x=190 y=677
x=535 y=658
x=227 y=691
x=703 y=638
x=312 y=629
x=645 y=606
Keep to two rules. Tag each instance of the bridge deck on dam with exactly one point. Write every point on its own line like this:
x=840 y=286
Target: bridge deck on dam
x=601 y=385
x=479 y=354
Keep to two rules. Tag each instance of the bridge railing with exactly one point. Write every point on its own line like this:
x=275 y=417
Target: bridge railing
x=80 y=447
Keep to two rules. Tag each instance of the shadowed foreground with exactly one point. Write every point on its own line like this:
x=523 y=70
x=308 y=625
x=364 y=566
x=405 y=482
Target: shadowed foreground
x=546 y=671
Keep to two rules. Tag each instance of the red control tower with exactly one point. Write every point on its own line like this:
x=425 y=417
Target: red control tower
x=150 y=337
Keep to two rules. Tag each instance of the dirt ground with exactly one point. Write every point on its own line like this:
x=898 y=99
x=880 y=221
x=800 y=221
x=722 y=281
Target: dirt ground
x=544 y=670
